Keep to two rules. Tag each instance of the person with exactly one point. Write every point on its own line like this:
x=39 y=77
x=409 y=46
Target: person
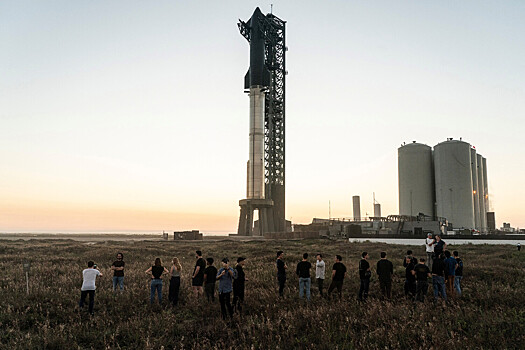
x=319 y=272
x=459 y=273
x=238 y=284
x=156 y=271
x=89 y=277
x=210 y=276
x=364 y=276
x=519 y=246
x=303 y=271
x=450 y=272
x=422 y=273
x=197 y=279
x=438 y=277
x=281 y=272
x=175 y=271
x=118 y=272
x=439 y=246
x=338 y=276
x=385 y=270
x=429 y=244
x=412 y=259
x=225 y=276
x=410 y=278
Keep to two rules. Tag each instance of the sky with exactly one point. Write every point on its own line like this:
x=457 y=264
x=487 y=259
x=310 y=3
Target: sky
x=131 y=116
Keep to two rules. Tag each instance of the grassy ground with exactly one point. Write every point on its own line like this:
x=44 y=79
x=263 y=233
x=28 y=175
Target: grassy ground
x=489 y=315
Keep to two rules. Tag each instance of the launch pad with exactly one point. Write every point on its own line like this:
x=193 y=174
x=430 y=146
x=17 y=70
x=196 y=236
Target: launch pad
x=265 y=83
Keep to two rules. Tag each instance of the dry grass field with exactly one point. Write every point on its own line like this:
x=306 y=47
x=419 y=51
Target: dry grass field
x=490 y=315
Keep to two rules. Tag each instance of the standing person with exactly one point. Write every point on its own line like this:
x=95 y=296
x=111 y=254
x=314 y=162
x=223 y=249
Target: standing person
x=385 y=270
x=225 y=276
x=89 y=277
x=422 y=273
x=519 y=246
x=450 y=272
x=156 y=271
x=197 y=279
x=281 y=272
x=238 y=284
x=303 y=271
x=459 y=273
x=319 y=272
x=438 y=277
x=411 y=260
x=410 y=278
x=364 y=276
x=175 y=271
x=439 y=246
x=210 y=276
x=118 y=272
x=429 y=244
x=338 y=276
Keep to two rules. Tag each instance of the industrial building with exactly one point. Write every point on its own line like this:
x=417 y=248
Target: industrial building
x=448 y=183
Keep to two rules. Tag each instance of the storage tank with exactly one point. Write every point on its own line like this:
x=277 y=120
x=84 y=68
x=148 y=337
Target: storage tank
x=453 y=179
x=416 y=182
x=481 y=197
x=485 y=194
x=357 y=208
x=475 y=192
x=377 y=210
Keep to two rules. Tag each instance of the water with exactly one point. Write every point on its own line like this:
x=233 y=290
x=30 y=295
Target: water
x=413 y=241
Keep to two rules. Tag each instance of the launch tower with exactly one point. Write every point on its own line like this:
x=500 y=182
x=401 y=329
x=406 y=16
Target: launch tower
x=265 y=84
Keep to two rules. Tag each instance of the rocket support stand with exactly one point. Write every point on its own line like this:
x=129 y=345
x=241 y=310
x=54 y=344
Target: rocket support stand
x=248 y=206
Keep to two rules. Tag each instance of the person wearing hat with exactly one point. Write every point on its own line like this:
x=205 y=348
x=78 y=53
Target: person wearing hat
x=429 y=244
x=225 y=275
x=238 y=285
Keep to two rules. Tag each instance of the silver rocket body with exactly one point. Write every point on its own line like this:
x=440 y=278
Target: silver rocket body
x=255 y=181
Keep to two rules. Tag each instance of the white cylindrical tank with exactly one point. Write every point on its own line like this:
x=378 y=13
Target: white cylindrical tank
x=486 y=194
x=453 y=179
x=357 y=208
x=416 y=182
x=377 y=210
x=481 y=197
x=256 y=156
x=475 y=191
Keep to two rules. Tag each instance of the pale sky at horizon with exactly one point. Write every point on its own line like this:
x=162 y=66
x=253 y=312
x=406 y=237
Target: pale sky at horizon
x=130 y=115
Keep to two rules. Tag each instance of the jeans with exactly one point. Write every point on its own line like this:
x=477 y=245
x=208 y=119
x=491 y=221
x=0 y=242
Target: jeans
x=156 y=284
x=386 y=288
x=83 y=295
x=457 y=284
x=449 y=283
x=320 y=285
x=118 y=280
x=209 y=289
x=363 y=288
x=281 y=280
x=304 y=285
x=173 y=295
x=421 y=290
x=439 y=287
x=338 y=285
x=430 y=259
x=224 y=299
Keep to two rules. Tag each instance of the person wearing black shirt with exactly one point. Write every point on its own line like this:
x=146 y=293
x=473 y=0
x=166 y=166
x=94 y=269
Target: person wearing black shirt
x=364 y=276
x=281 y=272
x=303 y=271
x=439 y=246
x=438 y=277
x=238 y=285
x=156 y=272
x=209 y=280
x=118 y=272
x=197 y=279
x=385 y=270
x=422 y=273
x=338 y=276
x=459 y=273
x=412 y=259
x=410 y=279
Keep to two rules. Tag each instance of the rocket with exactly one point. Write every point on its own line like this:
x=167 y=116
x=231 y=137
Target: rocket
x=256 y=80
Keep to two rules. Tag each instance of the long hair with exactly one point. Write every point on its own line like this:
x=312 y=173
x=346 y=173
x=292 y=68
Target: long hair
x=177 y=264
x=158 y=262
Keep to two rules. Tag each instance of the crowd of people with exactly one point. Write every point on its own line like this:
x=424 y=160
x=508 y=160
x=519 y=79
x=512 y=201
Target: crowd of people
x=443 y=268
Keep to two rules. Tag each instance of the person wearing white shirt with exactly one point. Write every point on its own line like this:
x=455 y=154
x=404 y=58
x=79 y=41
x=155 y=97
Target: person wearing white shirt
x=319 y=272
x=88 y=285
x=429 y=244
